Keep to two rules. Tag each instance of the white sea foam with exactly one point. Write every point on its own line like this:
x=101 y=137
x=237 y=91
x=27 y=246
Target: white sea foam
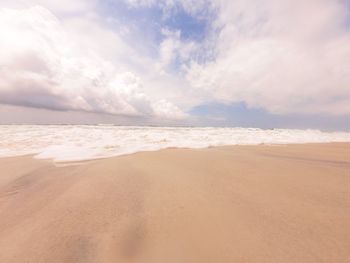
x=84 y=142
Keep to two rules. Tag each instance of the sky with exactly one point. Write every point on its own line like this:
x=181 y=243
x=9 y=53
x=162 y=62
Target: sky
x=248 y=63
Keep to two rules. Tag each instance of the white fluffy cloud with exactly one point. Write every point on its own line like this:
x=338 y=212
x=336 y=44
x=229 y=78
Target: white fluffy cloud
x=284 y=56
x=172 y=48
x=46 y=65
x=62 y=6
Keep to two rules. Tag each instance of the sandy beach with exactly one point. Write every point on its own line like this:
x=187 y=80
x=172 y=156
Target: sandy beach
x=227 y=204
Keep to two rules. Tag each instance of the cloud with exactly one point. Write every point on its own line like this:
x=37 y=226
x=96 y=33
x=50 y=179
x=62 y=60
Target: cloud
x=58 y=7
x=174 y=50
x=283 y=56
x=45 y=65
x=193 y=7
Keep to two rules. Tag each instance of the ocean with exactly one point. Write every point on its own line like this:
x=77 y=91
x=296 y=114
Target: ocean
x=86 y=142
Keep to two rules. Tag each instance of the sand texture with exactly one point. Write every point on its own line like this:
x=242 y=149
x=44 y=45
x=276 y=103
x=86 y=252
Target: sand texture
x=227 y=204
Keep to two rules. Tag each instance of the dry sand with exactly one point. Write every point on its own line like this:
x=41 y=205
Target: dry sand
x=227 y=204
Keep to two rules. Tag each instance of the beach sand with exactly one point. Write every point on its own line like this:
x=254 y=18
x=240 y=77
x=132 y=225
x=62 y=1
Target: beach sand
x=227 y=204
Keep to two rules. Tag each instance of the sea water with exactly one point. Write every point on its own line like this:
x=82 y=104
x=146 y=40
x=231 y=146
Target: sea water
x=85 y=142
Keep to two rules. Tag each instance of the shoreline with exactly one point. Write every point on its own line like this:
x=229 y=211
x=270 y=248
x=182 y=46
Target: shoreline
x=83 y=161
x=76 y=143
x=219 y=204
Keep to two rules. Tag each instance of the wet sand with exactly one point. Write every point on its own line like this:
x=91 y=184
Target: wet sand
x=226 y=204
